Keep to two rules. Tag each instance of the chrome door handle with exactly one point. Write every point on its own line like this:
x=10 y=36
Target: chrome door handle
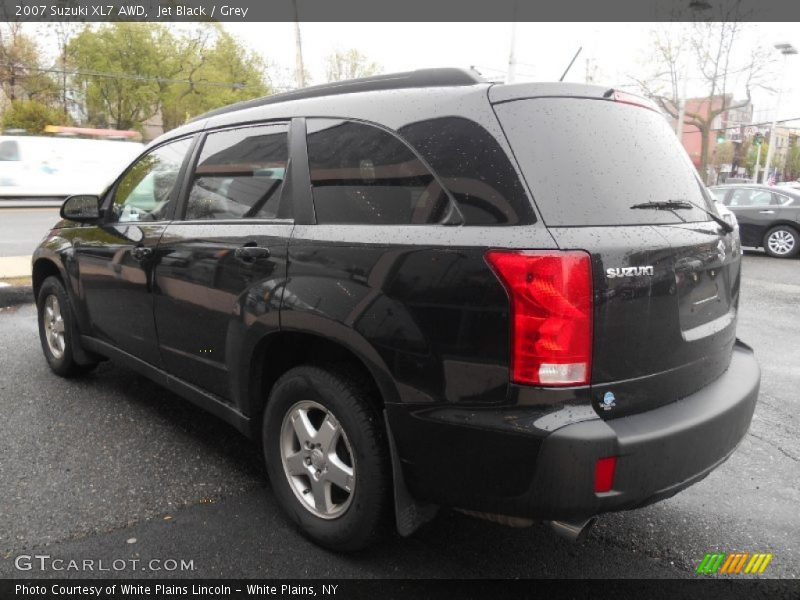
x=767 y=212
x=251 y=253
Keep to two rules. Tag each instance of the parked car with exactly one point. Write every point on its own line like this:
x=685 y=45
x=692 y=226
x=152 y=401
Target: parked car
x=768 y=216
x=790 y=184
x=422 y=290
x=56 y=167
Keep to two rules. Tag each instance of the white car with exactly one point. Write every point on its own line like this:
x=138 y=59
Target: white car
x=54 y=167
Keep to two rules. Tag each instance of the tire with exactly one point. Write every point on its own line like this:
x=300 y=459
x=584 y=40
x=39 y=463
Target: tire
x=332 y=412
x=782 y=241
x=57 y=331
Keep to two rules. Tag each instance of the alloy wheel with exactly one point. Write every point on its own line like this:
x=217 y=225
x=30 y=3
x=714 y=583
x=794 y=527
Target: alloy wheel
x=54 y=326
x=317 y=459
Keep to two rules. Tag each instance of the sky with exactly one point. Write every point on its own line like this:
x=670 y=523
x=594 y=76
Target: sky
x=612 y=51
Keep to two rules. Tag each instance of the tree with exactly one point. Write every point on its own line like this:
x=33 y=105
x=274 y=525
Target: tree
x=31 y=115
x=724 y=154
x=119 y=65
x=752 y=154
x=211 y=69
x=793 y=163
x=714 y=48
x=349 y=64
x=134 y=71
x=21 y=73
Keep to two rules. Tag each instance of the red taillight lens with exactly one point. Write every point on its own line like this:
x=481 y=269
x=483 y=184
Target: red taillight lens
x=551 y=313
x=634 y=100
x=604 y=474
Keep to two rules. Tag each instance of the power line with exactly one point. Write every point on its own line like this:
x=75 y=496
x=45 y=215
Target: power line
x=235 y=85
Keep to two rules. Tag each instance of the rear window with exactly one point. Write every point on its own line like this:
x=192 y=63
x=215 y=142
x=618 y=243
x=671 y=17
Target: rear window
x=588 y=161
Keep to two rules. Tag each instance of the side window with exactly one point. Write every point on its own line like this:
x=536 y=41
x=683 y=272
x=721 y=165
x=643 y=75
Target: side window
x=719 y=195
x=147 y=190
x=240 y=174
x=9 y=150
x=361 y=174
x=748 y=197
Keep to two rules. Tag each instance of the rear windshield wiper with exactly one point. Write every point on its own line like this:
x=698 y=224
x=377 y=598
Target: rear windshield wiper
x=668 y=205
x=685 y=205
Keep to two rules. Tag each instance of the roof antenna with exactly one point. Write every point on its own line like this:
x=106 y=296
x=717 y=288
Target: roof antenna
x=569 y=66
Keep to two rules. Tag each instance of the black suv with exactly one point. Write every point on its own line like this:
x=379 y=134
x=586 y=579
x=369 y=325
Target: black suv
x=422 y=290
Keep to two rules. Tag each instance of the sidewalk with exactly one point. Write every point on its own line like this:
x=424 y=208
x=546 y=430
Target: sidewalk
x=15 y=266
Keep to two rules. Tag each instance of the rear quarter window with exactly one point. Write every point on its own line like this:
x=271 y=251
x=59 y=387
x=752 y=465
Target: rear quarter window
x=587 y=161
x=363 y=175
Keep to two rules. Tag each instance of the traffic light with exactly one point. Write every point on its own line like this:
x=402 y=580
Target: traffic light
x=758 y=139
x=720 y=137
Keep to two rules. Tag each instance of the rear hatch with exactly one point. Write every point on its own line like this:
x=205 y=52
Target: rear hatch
x=666 y=281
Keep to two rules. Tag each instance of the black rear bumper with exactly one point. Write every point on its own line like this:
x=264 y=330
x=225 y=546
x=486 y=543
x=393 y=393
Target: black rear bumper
x=500 y=461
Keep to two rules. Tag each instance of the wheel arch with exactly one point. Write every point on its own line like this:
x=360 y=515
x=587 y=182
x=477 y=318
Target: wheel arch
x=275 y=353
x=42 y=269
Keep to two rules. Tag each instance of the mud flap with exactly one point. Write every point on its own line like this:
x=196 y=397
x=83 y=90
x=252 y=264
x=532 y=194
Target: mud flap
x=409 y=514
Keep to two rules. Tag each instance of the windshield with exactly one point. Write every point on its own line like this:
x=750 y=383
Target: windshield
x=588 y=161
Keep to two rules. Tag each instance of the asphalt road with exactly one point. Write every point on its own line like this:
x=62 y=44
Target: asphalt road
x=111 y=466
x=21 y=229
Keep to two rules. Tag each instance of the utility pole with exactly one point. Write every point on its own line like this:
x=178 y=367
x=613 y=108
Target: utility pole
x=786 y=50
x=512 y=53
x=682 y=108
x=300 y=72
x=758 y=164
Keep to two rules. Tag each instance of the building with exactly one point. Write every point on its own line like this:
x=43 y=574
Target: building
x=728 y=122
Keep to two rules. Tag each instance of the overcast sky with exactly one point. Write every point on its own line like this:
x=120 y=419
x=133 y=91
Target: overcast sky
x=615 y=50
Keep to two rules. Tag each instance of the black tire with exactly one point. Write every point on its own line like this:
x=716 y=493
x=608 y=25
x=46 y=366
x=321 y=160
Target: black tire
x=368 y=511
x=789 y=239
x=62 y=363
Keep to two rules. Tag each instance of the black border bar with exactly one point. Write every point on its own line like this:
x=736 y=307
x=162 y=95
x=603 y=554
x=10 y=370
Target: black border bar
x=398 y=10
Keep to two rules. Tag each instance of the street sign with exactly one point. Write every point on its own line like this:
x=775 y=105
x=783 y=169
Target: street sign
x=750 y=130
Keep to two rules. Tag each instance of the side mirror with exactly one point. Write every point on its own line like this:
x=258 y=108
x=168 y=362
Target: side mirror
x=82 y=208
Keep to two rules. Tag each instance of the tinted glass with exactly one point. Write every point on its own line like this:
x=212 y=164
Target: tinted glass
x=148 y=189
x=588 y=161
x=364 y=175
x=474 y=169
x=240 y=174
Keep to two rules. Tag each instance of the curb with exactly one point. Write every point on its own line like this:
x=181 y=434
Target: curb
x=13 y=295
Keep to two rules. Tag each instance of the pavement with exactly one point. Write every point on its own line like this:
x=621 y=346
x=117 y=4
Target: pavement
x=113 y=466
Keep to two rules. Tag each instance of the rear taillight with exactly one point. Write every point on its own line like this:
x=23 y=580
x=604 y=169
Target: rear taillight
x=633 y=100
x=551 y=314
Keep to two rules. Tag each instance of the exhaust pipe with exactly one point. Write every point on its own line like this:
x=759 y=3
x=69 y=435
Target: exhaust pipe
x=574 y=531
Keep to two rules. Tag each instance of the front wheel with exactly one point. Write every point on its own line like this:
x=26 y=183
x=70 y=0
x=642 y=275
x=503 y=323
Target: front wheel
x=56 y=329
x=782 y=242
x=327 y=457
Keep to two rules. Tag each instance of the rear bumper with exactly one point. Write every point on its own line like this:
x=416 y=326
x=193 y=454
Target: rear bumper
x=524 y=473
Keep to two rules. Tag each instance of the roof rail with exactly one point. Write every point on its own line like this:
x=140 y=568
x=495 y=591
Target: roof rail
x=444 y=77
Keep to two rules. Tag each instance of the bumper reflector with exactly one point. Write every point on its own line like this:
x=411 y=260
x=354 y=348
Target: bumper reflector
x=604 y=474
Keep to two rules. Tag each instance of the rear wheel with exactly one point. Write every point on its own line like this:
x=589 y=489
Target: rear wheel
x=327 y=457
x=782 y=242
x=56 y=329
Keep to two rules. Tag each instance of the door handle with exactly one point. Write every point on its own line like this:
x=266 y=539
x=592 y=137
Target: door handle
x=251 y=253
x=767 y=212
x=141 y=253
